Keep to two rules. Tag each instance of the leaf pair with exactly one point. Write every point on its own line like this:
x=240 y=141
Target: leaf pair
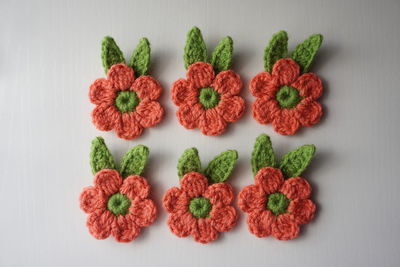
x=140 y=59
x=132 y=163
x=292 y=164
x=196 y=51
x=303 y=54
x=217 y=171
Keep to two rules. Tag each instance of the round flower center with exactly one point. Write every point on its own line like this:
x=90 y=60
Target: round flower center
x=209 y=98
x=200 y=207
x=126 y=101
x=288 y=97
x=277 y=203
x=119 y=204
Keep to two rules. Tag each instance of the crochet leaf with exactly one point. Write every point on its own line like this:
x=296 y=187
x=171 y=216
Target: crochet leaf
x=295 y=162
x=305 y=52
x=263 y=154
x=110 y=53
x=134 y=161
x=275 y=50
x=100 y=156
x=221 y=58
x=189 y=162
x=195 y=48
x=140 y=59
x=221 y=167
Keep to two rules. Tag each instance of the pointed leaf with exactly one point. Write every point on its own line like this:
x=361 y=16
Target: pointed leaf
x=100 y=156
x=295 y=162
x=140 y=60
x=263 y=154
x=221 y=58
x=276 y=49
x=134 y=161
x=305 y=52
x=195 y=48
x=110 y=53
x=221 y=167
x=189 y=162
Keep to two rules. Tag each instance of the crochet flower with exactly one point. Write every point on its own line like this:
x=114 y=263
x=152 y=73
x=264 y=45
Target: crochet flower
x=124 y=103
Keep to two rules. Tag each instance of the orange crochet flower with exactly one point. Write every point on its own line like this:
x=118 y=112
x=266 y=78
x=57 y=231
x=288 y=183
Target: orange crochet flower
x=118 y=207
x=207 y=101
x=276 y=206
x=199 y=209
x=285 y=98
x=125 y=104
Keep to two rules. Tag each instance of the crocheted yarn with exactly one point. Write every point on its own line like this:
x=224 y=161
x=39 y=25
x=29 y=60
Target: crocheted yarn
x=117 y=206
x=286 y=98
x=208 y=99
x=277 y=206
x=202 y=206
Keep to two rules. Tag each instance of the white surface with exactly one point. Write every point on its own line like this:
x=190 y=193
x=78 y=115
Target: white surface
x=49 y=55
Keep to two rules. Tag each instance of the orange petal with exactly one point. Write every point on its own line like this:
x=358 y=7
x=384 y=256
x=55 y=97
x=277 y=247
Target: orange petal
x=150 y=113
x=252 y=198
x=260 y=222
x=264 y=110
x=135 y=186
x=296 y=188
x=223 y=219
x=302 y=209
x=263 y=85
x=285 y=71
x=124 y=229
x=147 y=88
x=227 y=83
x=189 y=115
x=101 y=92
x=129 y=128
x=91 y=199
x=309 y=112
x=211 y=123
x=100 y=223
x=309 y=85
x=143 y=212
x=121 y=76
x=108 y=181
x=231 y=108
x=219 y=194
x=270 y=179
x=106 y=117
x=181 y=224
x=285 y=122
x=175 y=200
x=184 y=93
x=194 y=184
x=200 y=75
x=285 y=227
x=203 y=232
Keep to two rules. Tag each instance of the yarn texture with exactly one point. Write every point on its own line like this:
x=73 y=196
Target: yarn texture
x=202 y=205
x=286 y=95
x=117 y=206
x=277 y=204
x=208 y=98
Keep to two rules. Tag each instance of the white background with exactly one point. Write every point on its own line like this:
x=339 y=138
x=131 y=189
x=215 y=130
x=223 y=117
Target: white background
x=50 y=54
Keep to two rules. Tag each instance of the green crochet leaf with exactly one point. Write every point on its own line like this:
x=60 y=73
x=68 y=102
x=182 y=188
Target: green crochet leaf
x=140 y=60
x=221 y=58
x=100 y=156
x=275 y=50
x=263 y=154
x=189 y=162
x=305 y=52
x=221 y=167
x=134 y=161
x=295 y=162
x=110 y=53
x=195 y=48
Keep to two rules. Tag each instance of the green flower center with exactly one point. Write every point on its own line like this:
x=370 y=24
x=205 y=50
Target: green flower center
x=119 y=204
x=288 y=97
x=126 y=101
x=277 y=203
x=200 y=207
x=209 y=98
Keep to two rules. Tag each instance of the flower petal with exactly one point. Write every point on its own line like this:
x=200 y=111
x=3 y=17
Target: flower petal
x=270 y=179
x=184 y=93
x=143 y=212
x=309 y=85
x=219 y=194
x=296 y=188
x=265 y=110
x=263 y=85
x=121 y=76
x=211 y=123
x=105 y=117
x=99 y=223
x=189 y=115
x=231 y=108
x=175 y=200
x=227 y=83
x=135 y=186
x=286 y=71
x=309 y=112
x=150 y=113
x=124 y=229
x=285 y=121
x=194 y=184
x=181 y=224
x=252 y=198
x=128 y=128
x=285 y=227
x=108 y=181
x=302 y=209
x=223 y=219
x=91 y=199
x=147 y=88
x=200 y=75
x=203 y=232
x=101 y=92
x=260 y=222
